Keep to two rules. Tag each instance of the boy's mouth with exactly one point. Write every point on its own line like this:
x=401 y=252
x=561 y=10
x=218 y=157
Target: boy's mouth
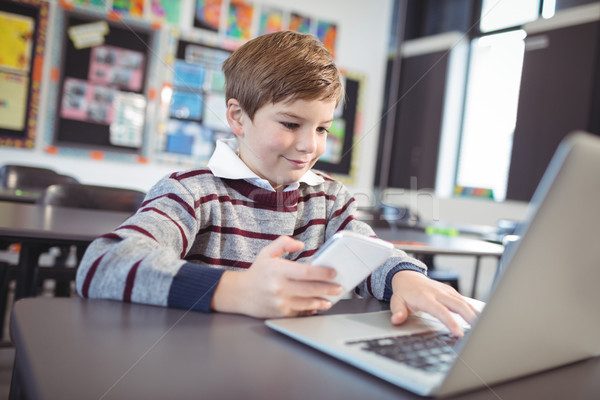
x=297 y=163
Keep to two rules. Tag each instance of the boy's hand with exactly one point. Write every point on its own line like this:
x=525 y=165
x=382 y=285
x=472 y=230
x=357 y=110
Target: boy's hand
x=413 y=291
x=273 y=287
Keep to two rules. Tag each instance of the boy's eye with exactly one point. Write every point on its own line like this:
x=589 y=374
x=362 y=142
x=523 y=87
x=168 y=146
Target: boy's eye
x=290 y=125
x=322 y=130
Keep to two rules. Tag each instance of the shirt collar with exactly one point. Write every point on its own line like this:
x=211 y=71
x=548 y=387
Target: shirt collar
x=225 y=163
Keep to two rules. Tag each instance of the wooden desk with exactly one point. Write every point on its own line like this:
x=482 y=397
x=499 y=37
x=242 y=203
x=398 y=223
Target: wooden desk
x=416 y=242
x=37 y=227
x=70 y=348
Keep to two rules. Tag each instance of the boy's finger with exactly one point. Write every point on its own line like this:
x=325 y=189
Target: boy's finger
x=443 y=314
x=301 y=304
x=308 y=272
x=282 y=245
x=399 y=310
x=297 y=288
x=464 y=309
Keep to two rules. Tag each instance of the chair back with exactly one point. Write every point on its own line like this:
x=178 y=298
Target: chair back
x=29 y=178
x=92 y=197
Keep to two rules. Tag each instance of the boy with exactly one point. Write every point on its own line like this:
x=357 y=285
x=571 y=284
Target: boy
x=231 y=237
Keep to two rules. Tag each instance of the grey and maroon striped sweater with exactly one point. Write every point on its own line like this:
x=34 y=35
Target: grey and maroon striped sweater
x=193 y=225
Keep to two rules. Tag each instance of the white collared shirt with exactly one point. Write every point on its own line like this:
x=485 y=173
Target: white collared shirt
x=225 y=163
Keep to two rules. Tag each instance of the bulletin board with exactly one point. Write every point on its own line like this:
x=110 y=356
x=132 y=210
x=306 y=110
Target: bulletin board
x=101 y=89
x=23 y=27
x=193 y=109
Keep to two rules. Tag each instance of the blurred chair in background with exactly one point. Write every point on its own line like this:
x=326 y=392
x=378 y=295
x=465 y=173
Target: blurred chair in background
x=27 y=178
x=16 y=178
x=92 y=197
x=76 y=195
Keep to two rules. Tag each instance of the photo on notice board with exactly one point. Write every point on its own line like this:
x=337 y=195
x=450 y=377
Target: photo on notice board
x=23 y=27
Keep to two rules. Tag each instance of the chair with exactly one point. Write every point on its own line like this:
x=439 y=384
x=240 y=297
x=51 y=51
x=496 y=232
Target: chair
x=29 y=179
x=76 y=195
x=24 y=177
x=92 y=197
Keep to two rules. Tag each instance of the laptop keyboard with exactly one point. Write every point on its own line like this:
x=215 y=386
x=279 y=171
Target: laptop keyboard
x=429 y=351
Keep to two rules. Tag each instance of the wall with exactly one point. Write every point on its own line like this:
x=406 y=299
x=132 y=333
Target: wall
x=363 y=32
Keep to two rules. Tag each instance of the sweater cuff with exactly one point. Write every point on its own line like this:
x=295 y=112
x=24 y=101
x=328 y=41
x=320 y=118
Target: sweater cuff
x=405 y=266
x=193 y=287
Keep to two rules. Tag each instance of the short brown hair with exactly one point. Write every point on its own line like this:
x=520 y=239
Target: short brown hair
x=281 y=66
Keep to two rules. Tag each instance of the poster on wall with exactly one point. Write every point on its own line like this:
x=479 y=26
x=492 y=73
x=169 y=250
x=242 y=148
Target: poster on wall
x=23 y=26
x=300 y=23
x=239 y=19
x=270 y=20
x=13 y=101
x=166 y=10
x=16 y=36
x=135 y=8
x=327 y=33
x=207 y=14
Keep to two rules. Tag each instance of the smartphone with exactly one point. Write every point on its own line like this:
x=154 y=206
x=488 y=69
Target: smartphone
x=353 y=256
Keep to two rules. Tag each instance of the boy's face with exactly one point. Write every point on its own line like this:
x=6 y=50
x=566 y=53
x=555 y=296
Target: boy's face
x=284 y=140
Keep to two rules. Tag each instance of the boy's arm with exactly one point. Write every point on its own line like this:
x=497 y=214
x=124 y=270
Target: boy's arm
x=142 y=260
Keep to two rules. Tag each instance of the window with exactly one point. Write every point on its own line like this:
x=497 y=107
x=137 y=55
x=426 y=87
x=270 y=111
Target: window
x=500 y=14
x=492 y=92
x=491 y=111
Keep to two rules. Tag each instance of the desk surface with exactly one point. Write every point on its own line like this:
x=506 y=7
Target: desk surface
x=21 y=221
x=68 y=348
x=420 y=242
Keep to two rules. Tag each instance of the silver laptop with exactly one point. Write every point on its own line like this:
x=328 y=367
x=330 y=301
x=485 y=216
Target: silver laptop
x=542 y=311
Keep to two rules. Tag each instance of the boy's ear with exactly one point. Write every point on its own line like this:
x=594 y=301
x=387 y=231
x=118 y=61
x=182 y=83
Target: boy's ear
x=234 y=117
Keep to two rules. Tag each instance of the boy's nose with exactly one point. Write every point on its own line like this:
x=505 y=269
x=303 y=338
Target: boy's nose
x=307 y=142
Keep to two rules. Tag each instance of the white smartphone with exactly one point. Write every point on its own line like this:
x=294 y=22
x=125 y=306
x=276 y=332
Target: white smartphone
x=353 y=256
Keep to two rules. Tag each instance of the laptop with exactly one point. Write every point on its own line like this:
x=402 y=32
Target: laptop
x=542 y=311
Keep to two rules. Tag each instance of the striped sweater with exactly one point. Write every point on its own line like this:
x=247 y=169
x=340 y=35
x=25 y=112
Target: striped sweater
x=193 y=225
